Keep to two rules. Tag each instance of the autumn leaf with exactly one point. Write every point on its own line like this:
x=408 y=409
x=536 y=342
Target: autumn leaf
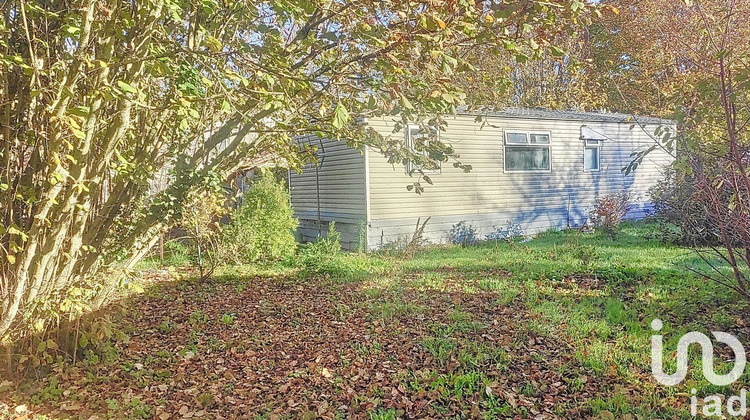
x=340 y=116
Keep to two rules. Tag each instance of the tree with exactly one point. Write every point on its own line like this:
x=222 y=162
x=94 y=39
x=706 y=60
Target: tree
x=690 y=61
x=531 y=76
x=98 y=99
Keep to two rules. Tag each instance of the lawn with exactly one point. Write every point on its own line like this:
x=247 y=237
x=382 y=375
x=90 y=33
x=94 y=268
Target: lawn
x=558 y=326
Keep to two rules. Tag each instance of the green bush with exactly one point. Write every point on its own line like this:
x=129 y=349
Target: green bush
x=176 y=253
x=316 y=254
x=328 y=245
x=322 y=257
x=262 y=228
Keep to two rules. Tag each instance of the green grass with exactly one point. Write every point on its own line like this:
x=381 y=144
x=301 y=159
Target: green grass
x=597 y=293
x=487 y=323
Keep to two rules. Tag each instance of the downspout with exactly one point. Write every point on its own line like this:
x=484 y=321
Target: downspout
x=367 y=193
x=317 y=185
x=317 y=199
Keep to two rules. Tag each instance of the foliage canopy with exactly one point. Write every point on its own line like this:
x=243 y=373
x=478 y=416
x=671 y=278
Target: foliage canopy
x=112 y=112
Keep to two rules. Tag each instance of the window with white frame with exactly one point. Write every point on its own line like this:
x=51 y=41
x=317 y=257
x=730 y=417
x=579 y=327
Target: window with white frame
x=591 y=155
x=527 y=151
x=416 y=135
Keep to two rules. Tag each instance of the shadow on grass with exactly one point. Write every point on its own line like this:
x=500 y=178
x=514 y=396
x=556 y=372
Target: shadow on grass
x=563 y=315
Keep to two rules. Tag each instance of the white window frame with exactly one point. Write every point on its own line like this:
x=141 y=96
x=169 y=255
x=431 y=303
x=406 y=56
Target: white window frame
x=528 y=133
x=598 y=147
x=411 y=167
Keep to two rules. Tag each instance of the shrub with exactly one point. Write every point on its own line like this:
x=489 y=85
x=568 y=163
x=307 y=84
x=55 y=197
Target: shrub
x=176 y=253
x=682 y=220
x=329 y=244
x=200 y=220
x=463 y=234
x=408 y=245
x=511 y=231
x=609 y=211
x=262 y=228
x=319 y=257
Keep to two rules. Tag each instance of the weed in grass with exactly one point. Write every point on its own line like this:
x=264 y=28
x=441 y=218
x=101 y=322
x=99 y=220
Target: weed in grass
x=439 y=348
x=577 y=383
x=459 y=316
x=385 y=414
x=51 y=392
x=367 y=348
x=204 y=399
x=140 y=410
x=495 y=407
x=529 y=390
x=479 y=355
x=229 y=387
x=167 y=326
x=617 y=404
x=240 y=287
x=458 y=385
x=198 y=317
x=394 y=309
x=228 y=319
x=430 y=281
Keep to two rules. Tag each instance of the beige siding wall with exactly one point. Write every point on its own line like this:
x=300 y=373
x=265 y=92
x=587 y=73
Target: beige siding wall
x=489 y=198
x=342 y=191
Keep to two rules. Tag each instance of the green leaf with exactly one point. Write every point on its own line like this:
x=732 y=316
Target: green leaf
x=80 y=111
x=406 y=104
x=71 y=30
x=126 y=87
x=15 y=230
x=557 y=52
x=340 y=115
x=213 y=43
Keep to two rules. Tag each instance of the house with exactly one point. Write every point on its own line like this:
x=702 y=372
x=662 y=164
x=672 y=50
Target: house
x=536 y=169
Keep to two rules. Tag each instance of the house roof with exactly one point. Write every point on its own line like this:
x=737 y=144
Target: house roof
x=549 y=114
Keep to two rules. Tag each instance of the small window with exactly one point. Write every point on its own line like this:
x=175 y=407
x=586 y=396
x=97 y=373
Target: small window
x=527 y=151
x=516 y=138
x=591 y=155
x=413 y=134
x=539 y=138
